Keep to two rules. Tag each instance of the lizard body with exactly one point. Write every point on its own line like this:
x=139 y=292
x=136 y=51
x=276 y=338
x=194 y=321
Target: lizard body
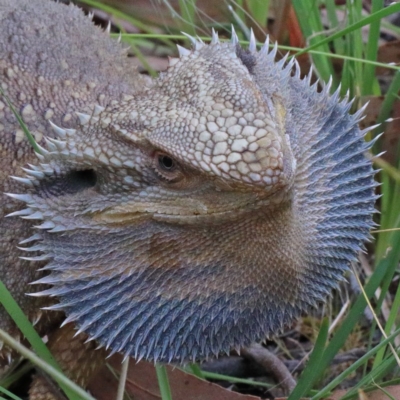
x=47 y=78
x=180 y=218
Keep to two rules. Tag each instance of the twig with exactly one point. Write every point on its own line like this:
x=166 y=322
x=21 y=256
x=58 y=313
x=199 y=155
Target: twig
x=272 y=364
x=122 y=379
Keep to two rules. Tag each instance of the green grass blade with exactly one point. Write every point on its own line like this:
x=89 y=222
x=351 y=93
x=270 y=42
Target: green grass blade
x=391 y=9
x=334 y=24
x=14 y=374
x=135 y=22
x=196 y=370
x=371 y=52
x=9 y=394
x=309 y=374
x=259 y=10
x=233 y=379
x=335 y=382
x=29 y=136
x=188 y=13
x=163 y=382
x=73 y=391
x=25 y=326
x=386 y=266
x=308 y=16
x=369 y=380
x=29 y=332
x=281 y=47
x=122 y=379
x=386 y=108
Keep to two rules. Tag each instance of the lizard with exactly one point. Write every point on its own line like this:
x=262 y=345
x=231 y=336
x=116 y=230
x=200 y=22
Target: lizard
x=171 y=219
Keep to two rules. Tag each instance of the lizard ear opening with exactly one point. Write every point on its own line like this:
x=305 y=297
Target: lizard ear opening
x=71 y=183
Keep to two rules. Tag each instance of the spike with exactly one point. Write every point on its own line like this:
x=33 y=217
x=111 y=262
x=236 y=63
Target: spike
x=27 y=198
x=192 y=39
x=328 y=85
x=59 y=144
x=33 y=173
x=371 y=128
x=36 y=236
x=99 y=346
x=42 y=150
x=89 y=339
x=42 y=257
x=234 y=37
x=52 y=292
x=39 y=156
x=297 y=68
x=37 y=318
x=90 y=16
x=119 y=38
x=47 y=169
x=273 y=52
x=182 y=51
x=34 y=167
x=98 y=109
x=58 y=228
x=45 y=280
x=373 y=157
x=46 y=225
x=35 y=247
x=200 y=40
x=315 y=85
x=214 y=38
x=35 y=215
x=282 y=61
x=24 y=181
x=56 y=307
x=47 y=292
x=108 y=28
x=51 y=146
x=309 y=75
x=199 y=44
x=85 y=325
x=111 y=352
x=60 y=132
x=83 y=118
x=20 y=213
x=253 y=43
x=364 y=107
x=265 y=47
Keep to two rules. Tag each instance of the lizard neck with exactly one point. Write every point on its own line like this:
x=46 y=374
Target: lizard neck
x=173 y=279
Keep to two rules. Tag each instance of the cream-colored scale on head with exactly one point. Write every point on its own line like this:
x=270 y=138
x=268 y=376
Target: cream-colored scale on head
x=213 y=117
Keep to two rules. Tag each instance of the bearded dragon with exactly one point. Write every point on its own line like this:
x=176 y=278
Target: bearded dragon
x=177 y=218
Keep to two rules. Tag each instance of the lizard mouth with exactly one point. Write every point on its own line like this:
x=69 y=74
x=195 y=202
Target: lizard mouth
x=188 y=211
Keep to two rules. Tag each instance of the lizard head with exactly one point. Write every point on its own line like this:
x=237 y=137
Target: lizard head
x=189 y=219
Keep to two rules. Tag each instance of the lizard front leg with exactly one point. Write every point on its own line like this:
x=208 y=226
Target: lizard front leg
x=77 y=357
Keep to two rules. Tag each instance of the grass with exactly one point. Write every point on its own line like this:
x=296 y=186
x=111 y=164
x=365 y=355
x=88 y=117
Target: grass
x=325 y=42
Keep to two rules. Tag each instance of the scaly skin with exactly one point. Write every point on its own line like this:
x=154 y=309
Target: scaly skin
x=53 y=62
x=203 y=213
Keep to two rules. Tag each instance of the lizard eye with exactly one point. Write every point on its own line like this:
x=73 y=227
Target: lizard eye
x=166 y=167
x=166 y=163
